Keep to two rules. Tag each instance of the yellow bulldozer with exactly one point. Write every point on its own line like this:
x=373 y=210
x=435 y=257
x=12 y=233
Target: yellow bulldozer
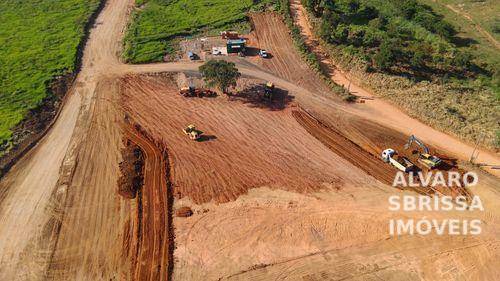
x=192 y=132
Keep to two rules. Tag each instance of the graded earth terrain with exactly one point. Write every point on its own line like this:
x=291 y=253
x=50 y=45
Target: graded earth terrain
x=288 y=190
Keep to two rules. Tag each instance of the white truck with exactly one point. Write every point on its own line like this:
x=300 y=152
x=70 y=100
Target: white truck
x=400 y=162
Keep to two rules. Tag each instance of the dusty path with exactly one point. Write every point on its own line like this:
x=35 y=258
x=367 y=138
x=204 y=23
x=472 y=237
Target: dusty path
x=31 y=195
x=73 y=227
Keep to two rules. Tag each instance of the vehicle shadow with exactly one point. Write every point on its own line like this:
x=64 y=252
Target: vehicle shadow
x=204 y=138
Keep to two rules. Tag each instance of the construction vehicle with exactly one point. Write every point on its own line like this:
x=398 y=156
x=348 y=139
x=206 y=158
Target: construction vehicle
x=425 y=158
x=400 y=162
x=269 y=90
x=263 y=54
x=229 y=35
x=193 y=92
x=187 y=91
x=192 y=55
x=192 y=132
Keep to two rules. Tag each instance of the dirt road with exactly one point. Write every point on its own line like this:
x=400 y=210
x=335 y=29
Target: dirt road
x=477 y=26
x=35 y=192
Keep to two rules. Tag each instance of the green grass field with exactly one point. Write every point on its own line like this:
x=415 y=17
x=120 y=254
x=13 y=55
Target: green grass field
x=156 y=22
x=486 y=13
x=38 y=41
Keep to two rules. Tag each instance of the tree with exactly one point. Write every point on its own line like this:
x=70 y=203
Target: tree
x=418 y=59
x=463 y=60
x=220 y=73
x=386 y=55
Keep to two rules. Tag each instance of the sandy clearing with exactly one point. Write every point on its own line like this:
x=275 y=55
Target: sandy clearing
x=95 y=218
x=343 y=235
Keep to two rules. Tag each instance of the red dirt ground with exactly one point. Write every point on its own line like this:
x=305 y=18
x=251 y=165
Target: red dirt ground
x=358 y=140
x=152 y=243
x=270 y=33
x=245 y=146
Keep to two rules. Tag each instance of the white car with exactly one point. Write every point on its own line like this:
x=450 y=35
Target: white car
x=263 y=54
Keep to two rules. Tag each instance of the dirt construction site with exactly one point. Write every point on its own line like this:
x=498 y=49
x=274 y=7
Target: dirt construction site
x=287 y=189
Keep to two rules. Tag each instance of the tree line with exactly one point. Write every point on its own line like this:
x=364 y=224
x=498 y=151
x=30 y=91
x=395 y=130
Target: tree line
x=397 y=35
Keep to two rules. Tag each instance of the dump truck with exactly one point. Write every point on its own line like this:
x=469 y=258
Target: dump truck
x=269 y=90
x=401 y=163
x=229 y=35
x=424 y=158
x=192 y=132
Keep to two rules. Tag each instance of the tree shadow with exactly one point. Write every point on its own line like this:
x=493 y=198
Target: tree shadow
x=463 y=42
x=254 y=97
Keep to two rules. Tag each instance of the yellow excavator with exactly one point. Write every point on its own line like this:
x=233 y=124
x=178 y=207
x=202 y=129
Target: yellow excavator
x=192 y=132
x=425 y=158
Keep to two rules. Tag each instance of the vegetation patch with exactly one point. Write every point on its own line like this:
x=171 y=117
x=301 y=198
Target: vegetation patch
x=283 y=7
x=131 y=170
x=409 y=53
x=155 y=23
x=39 y=41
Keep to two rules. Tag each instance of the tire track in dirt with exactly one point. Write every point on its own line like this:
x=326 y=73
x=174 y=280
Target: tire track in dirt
x=344 y=147
x=153 y=245
x=271 y=33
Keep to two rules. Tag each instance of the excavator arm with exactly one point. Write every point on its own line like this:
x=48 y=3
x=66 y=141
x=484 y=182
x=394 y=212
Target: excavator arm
x=425 y=158
x=418 y=142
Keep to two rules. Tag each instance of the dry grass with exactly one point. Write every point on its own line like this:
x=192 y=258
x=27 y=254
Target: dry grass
x=467 y=112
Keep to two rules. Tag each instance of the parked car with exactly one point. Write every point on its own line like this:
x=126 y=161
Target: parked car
x=263 y=53
x=192 y=56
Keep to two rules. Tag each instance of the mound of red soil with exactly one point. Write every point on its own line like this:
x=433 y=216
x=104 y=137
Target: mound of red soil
x=184 y=212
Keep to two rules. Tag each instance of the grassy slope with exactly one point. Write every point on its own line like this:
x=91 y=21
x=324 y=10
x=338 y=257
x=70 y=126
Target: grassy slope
x=156 y=22
x=483 y=13
x=38 y=41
